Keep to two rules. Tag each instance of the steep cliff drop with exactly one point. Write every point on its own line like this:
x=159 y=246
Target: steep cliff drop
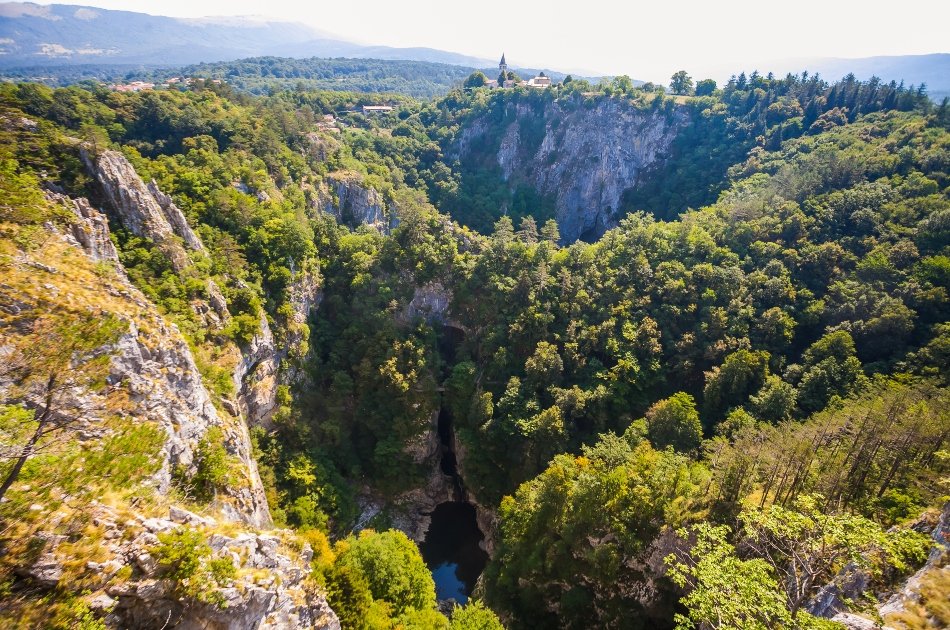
x=452 y=548
x=581 y=155
x=453 y=543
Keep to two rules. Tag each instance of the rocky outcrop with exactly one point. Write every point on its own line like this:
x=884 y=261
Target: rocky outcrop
x=141 y=211
x=429 y=302
x=936 y=561
x=255 y=376
x=90 y=228
x=353 y=203
x=153 y=364
x=130 y=588
x=176 y=218
x=265 y=364
x=835 y=599
x=584 y=158
x=304 y=297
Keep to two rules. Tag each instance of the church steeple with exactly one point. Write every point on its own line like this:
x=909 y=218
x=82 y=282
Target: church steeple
x=502 y=65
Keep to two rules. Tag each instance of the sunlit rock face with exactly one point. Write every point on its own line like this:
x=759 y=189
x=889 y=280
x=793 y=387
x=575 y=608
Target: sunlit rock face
x=582 y=156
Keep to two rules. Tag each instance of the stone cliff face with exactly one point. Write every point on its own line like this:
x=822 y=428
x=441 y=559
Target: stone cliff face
x=143 y=210
x=153 y=379
x=353 y=203
x=148 y=212
x=91 y=229
x=586 y=158
x=265 y=364
x=852 y=584
x=153 y=362
x=255 y=376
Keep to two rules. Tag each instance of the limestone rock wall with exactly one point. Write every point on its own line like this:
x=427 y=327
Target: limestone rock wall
x=586 y=158
x=137 y=207
x=269 y=592
x=154 y=364
x=353 y=203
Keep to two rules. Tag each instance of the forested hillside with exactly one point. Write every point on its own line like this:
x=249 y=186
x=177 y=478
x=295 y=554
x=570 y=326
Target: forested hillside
x=728 y=409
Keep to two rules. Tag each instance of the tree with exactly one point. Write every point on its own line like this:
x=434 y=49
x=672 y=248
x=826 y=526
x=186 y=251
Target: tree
x=681 y=83
x=729 y=385
x=622 y=84
x=476 y=80
x=675 y=422
x=705 y=87
x=528 y=232
x=550 y=232
x=725 y=593
x=775 y=402
x=392 y=567
x=579 y=529
x=475 y=616
x=831 y=368
x=807 y=547
x=63 y=353
x=544 y=367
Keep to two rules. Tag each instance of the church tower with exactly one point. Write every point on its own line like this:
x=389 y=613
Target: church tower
x=502 y=65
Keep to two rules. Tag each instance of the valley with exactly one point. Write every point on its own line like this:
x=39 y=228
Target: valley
x=591 y=355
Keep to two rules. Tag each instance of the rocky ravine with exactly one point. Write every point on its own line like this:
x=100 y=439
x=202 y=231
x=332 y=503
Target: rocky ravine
x=586 y=158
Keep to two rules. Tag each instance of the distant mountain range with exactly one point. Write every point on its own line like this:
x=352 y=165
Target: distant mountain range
x=58 y=35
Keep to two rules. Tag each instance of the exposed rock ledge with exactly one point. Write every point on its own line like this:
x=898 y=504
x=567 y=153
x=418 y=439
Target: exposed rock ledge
x=270 y=592
x=353 y=203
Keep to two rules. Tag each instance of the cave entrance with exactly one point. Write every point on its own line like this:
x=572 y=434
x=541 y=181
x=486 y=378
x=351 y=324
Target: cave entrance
x=452 y=548
x=452 y=551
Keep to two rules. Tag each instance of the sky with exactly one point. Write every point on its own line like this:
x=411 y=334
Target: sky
x=646 y=40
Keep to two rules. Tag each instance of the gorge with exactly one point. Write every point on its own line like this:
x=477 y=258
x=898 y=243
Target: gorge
x=458 y=362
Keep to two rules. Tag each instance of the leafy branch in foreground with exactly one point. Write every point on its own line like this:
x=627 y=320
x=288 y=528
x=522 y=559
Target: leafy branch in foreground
x=42 y=370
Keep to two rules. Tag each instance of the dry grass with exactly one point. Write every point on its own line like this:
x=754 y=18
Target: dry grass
x=933 y=608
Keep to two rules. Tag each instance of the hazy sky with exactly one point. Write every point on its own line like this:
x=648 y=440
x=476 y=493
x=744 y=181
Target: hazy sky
x=647 y=40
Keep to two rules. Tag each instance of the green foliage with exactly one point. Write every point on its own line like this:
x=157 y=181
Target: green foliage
x=243 y=328
x=22 y=200
x=474 y=616
x=187 y=561
x=378 y=580
x=817 y=258
x=705 y=87
x=807 y=546
x=729 y=385
x=674 y=422
x=681 y=83
x=568 y=537
x=853 y=454
x=212 y=465
x=830 y=369
x=725 y=592
x=393 y=568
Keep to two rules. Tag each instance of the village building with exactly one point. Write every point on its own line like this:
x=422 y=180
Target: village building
x=541 y=81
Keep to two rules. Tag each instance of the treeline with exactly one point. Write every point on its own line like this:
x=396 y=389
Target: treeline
x=762 y=111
